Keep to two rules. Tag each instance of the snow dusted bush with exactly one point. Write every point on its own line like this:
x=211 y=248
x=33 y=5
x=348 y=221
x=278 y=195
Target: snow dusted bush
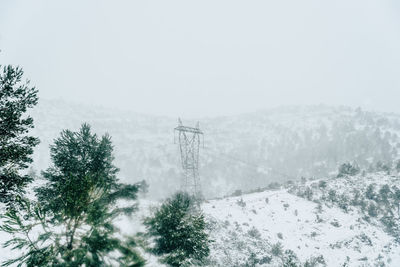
x=348 y=169
x=343 y=202
x=237 y=193
x=290 y=259
x=370 y=192
x=318 y=261
x=254 y=233
x=372 y=210
x=322 y=184
x=277 y=249
x=304 y=192
x=332 y=195
x=241 y=203
x=254 y=261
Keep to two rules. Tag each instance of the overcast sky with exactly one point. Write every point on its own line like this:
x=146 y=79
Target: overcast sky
x=204 y=58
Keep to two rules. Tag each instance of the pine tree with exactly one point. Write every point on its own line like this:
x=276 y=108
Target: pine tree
x=16 y=97
x=290 y=259
x=75 y=209
x=179 y=231
x=348 y=169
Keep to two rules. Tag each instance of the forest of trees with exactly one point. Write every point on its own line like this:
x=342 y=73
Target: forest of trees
x=69 y=219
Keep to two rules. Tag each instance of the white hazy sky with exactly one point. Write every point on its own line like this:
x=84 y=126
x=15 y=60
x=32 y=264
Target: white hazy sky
x=204 y=58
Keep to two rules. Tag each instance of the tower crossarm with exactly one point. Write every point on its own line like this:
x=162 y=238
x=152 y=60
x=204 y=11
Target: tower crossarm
x=188 y=129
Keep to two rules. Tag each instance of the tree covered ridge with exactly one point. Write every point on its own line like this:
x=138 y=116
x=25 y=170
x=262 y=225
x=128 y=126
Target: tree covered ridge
x=355 y=190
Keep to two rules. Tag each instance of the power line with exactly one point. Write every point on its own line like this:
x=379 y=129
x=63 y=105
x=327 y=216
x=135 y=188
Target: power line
x=247 y=163
x=190 y=139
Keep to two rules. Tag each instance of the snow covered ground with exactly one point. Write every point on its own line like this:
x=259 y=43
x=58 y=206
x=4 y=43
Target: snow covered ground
x=255 y=223
x=256 y=229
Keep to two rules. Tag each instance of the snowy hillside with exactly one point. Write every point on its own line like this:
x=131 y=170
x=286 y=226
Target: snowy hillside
x=298 y=222
x=266 y=146
x=258 y=228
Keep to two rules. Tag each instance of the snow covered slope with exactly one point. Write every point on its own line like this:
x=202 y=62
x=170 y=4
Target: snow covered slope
x=275 y=227
x=259 y=228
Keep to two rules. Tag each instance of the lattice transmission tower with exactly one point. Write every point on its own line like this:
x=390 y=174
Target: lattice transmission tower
x=190 y=139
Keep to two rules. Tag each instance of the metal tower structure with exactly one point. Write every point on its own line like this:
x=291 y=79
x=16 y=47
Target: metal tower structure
x=189 y=145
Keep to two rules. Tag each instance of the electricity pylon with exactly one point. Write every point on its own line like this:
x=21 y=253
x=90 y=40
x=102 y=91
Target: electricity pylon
x=189 y=145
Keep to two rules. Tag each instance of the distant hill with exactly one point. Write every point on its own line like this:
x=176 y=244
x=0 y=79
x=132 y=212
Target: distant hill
x=240 y=152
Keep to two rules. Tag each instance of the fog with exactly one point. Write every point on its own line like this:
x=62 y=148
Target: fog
x=194 y=59
x=286 y=151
